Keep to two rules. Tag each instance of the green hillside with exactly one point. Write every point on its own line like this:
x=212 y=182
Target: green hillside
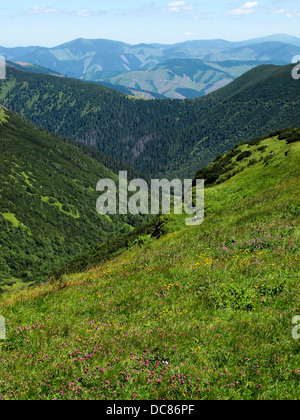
x=48 y=202
x=255 y=153
x=201 y=313
x=158 y=137
x=32 y=68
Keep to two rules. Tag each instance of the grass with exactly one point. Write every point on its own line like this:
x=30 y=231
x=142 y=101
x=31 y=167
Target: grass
x=201 y=313
x=12 y=218
x=12 y=284
x=14 y=221
x=3 y=116
x=54 y=202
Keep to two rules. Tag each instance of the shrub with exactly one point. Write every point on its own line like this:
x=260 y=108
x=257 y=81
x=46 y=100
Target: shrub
x=291 y=135
x=243 y=155
x=293 y=139
x=233 y=297
x=262 y=148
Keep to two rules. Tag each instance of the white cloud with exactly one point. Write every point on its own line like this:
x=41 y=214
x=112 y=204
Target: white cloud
x=176 y=4
x=88 y=13
x=287 y=13
x=246 y=9
x=84 y=12
x=293 y=14
x=280 y=11
x=179 y=6
x=43 y=10
x=38 y=10
x=154 y=7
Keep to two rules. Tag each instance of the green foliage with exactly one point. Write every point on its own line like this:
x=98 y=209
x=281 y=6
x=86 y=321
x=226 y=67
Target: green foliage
x=243 y=155
x=142 y=240
x=243 y=298
x=226 y=166
x=108 y=250
x=262 y=148
x=233 y=297
x=291 y=135
x=271 y=291
x=221 y=165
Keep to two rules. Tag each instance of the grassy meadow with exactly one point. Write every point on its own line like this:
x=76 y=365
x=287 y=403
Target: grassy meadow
x=202 y=313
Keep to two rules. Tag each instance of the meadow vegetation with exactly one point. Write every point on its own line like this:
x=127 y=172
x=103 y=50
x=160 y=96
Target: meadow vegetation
x=194 y=313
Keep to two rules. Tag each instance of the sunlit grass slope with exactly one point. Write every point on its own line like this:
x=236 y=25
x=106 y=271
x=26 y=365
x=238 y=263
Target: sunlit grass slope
x=201 y=313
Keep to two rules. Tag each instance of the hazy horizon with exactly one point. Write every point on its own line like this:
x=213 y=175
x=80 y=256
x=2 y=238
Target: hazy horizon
x=33 y=23
x=148 y=43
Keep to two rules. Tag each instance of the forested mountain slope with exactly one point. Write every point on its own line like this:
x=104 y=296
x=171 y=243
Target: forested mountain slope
x=158 y=137
x=48 y=202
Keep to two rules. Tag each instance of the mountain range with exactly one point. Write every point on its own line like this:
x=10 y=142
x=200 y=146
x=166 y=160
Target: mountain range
x=150 y=69
x=179 y=78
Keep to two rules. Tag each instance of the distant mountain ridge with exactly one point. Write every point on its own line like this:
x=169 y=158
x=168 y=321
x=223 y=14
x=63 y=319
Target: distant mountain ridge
x=32 y=68
x=102 y=60
x=181 y=78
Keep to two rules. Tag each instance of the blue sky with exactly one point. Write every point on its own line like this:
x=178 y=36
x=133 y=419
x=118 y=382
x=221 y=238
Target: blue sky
x=52 y=22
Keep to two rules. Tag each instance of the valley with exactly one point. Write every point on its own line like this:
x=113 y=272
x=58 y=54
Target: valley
x=180 y=136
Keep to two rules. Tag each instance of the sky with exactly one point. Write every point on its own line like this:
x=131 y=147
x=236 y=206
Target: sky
x=53 y=22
